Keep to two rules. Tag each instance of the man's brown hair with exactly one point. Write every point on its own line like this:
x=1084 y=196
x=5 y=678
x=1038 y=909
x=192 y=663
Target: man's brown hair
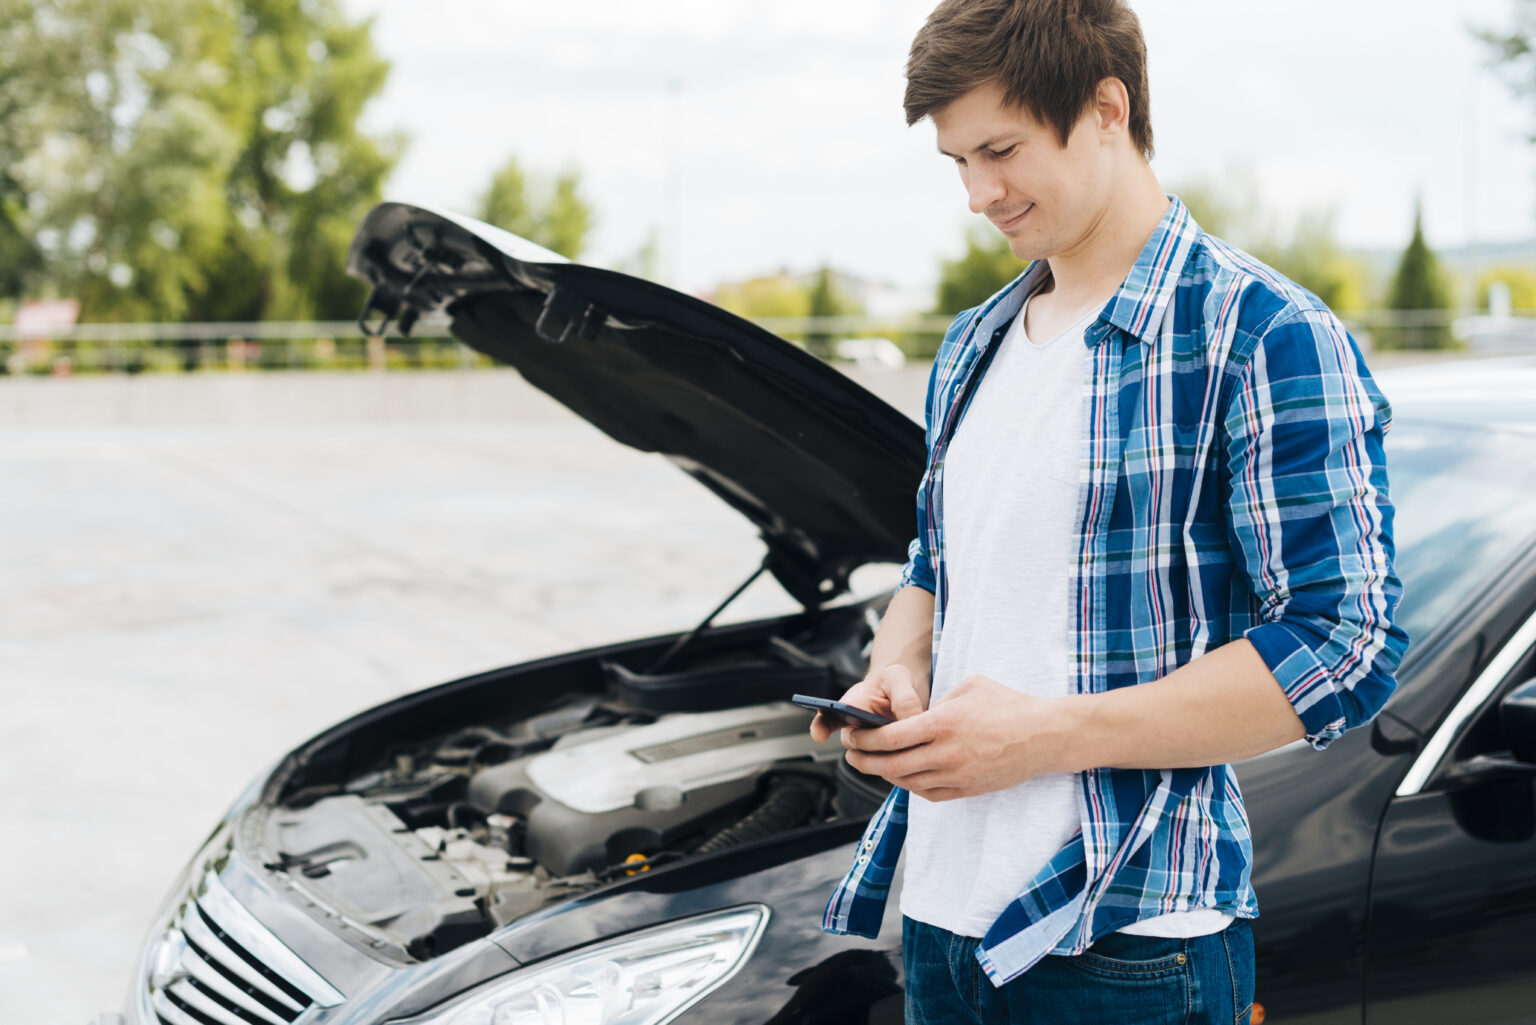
x=1048 y=55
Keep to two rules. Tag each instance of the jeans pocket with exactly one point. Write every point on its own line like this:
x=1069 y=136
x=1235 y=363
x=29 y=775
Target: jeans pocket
x=1141 y=979
x=1134 y=957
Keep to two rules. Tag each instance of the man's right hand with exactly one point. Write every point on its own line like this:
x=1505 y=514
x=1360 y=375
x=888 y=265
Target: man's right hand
x=890 y=691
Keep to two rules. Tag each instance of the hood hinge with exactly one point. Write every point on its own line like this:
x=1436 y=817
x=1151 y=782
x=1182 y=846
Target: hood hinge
x=565 y=313
x=807 y=581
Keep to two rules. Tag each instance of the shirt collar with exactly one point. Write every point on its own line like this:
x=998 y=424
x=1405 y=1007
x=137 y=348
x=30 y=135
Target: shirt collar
x=1138 y=304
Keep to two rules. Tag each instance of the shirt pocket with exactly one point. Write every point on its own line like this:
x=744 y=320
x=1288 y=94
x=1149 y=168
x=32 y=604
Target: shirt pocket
x=1158 y=472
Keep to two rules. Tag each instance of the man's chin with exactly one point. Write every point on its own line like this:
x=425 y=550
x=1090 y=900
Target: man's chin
x=1027 y=250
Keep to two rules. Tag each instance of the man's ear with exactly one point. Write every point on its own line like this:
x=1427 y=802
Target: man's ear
x=1112 y=107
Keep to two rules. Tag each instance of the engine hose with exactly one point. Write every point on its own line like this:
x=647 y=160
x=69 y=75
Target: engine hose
x=786 y=806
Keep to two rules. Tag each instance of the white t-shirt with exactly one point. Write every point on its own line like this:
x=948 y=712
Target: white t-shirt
x=1010 y=493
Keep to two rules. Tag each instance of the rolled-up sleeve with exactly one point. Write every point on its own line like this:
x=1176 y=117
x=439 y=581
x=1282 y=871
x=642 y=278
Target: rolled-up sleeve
x=1311 y=521
x=918 y=570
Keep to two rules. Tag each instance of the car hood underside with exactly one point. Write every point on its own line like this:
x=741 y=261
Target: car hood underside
x=824 y=469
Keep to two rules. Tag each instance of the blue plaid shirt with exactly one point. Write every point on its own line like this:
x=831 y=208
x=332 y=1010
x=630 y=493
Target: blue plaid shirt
x=1232 y=484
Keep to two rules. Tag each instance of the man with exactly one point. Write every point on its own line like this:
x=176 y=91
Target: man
x=1153 y=538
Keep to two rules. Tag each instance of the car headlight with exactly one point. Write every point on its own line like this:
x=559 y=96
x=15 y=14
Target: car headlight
x=645 y=978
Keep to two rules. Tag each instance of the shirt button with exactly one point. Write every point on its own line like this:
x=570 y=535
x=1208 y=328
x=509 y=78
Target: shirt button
x=863 y=859
x=869 y=845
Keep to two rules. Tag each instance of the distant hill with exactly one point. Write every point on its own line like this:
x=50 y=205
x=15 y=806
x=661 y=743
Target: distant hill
x=1457 y=259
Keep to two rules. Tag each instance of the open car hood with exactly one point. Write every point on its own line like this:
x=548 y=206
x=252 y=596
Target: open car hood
x=824 y=469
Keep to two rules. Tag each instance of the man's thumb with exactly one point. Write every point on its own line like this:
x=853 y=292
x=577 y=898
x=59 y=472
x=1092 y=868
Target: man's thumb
x=902 y=690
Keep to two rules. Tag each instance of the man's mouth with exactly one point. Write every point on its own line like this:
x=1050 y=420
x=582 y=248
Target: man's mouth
x=1014 y=221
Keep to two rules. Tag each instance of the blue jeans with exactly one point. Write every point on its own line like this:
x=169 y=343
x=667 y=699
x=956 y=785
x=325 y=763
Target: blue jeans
x=1120 y=980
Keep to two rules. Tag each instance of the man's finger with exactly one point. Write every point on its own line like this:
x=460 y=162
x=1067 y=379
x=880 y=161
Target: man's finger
x=897 y=736
x=892 y=766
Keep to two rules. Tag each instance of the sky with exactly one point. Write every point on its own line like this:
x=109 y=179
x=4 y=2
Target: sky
x=751 y=137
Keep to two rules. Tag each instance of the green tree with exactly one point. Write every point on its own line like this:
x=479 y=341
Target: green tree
x=553 y=214
x=1313 y=259
x=826 y=300
x=1310 y=256
x=1520 y=279
x=1229 y=209
x=986 y=266
x=200 y=158
x=1419 y=287
x=42 y=94
x=774 y=295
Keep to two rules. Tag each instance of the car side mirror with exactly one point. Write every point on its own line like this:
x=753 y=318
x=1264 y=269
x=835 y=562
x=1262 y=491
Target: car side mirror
x=1517 y=720
x=1517 y=715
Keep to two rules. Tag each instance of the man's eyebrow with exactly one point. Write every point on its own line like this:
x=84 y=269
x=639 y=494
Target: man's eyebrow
x=988 y=144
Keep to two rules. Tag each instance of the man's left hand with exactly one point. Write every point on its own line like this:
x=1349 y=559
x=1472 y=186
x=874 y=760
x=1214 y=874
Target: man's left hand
x=982 y=736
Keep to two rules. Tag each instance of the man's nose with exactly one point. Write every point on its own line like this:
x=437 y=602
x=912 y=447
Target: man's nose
x=984 y=187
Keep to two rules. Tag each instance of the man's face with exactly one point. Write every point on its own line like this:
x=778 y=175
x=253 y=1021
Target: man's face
x=1044 y=197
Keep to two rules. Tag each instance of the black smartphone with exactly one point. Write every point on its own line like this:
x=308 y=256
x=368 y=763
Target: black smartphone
x=847 y=714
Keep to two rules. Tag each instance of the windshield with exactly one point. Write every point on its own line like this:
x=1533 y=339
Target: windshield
x=1466 y=506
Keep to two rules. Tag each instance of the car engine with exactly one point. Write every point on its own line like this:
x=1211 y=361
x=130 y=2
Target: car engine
x=484 y=826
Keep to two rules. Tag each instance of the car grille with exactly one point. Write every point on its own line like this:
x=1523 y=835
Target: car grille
x=213 y=965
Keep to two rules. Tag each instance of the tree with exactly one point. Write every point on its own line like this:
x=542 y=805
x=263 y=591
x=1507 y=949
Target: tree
x=196 y=158
x=1518 y=278
x=826 y=300
x=1419 y=285
x=774 y=295
x=1311 y=256
x=1314 y=261
x=552 y=214
x=987 y=265
x=42 y=92
x=1229 y=209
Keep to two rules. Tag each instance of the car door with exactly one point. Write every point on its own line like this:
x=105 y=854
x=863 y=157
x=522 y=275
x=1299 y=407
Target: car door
x=1451 y=934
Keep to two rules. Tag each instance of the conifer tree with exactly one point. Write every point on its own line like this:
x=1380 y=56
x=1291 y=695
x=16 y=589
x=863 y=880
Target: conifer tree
x=1418 y=287
x=824 y=302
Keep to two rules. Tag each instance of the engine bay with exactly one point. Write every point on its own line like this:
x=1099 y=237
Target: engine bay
x=446 y=840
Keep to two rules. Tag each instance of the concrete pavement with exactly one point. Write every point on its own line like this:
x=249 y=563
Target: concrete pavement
x=200 y=572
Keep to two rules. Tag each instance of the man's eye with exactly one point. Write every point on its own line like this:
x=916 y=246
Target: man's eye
x=1000 y=154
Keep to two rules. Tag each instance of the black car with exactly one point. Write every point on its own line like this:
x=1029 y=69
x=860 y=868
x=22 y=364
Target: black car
x=646 y=832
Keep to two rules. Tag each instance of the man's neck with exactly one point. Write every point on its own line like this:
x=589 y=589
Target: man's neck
x=1092 y=270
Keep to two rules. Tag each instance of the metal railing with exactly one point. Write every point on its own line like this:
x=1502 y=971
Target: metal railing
x=339 y=345
x=235 y=346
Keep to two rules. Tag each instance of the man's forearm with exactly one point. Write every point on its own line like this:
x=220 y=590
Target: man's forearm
x=1222 y=707
x=905 y=636
x=985 y=736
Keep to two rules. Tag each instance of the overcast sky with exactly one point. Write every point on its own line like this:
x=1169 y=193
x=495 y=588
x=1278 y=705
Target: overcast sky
x=757 y=135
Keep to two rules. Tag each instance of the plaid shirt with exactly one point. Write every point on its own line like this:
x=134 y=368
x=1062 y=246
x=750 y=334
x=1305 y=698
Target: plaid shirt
x=1232 y=484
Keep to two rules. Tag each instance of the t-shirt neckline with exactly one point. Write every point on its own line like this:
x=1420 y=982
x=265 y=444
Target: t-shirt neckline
x=1076 y=325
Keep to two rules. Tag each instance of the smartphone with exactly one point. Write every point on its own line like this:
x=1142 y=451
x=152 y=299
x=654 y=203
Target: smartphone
x=849 y=715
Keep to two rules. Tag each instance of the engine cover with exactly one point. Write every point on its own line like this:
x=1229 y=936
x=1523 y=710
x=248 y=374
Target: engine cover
x=601 y=794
